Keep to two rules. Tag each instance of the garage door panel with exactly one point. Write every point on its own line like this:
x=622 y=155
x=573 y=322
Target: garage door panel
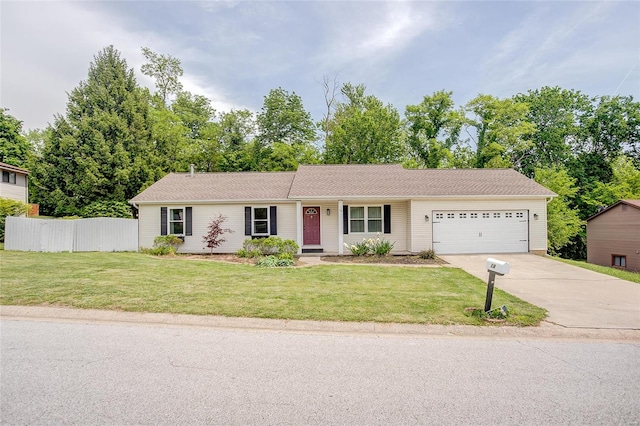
x=480 y=231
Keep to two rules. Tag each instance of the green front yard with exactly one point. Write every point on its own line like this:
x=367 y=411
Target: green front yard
x=618 y=273
x=138 y=282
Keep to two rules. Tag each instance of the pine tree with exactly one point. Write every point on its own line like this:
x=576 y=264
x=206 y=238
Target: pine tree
x=102 y=148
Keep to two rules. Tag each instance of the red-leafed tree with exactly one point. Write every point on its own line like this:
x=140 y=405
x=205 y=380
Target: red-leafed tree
x=215 y=231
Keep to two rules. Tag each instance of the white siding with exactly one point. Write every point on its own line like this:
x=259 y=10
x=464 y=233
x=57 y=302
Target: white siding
x=422 y=237
x=17 y=191
x=149 y=216
x=398 y=234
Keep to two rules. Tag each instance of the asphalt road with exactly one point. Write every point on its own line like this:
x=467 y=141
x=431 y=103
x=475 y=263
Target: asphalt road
x=94 y=373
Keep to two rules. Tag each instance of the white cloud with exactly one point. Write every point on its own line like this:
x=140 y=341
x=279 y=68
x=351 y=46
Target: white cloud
x=47 y=48
x=376 y=30
x=555 y=46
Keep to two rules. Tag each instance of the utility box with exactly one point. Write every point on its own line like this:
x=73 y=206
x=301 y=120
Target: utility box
x=498 y=266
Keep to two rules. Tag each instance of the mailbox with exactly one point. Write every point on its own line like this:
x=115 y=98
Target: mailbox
x=498 y=266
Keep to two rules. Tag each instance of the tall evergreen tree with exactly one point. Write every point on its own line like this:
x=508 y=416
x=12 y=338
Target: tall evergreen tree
x=101 y=150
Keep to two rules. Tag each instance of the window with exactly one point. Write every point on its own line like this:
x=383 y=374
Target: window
x=374 y=223
x=8 y=177
x=463 y=215
x=474 y=215
x=508 y=215
x=451 y=215
x=439 y=215
x=619 y=261
x=496 y=215
x=176 y=221
x=260 y=221
x=520 y=215
x=365 y=219
x=485 y=215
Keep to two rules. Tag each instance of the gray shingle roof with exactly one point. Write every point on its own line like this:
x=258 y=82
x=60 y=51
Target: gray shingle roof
x=394 y=181
x=241 y=186
x=341 y=181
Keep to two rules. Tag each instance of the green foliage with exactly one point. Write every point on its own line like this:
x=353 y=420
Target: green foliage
x=427 y=254
x=272 y=261
x=359 y=249
x=376 y=246
x=268 y=246
x=166 y=70
x=501 y=313
x=284 y=119
x=381 y=247
x=555 y=113
x=164 y=245
x=102 y=148
x=10 y=208
x=107 y=209
x=624 y=184
x=502 y=129
x=563 y=222
x=14 y=148
x=433 y=129
x=363 y=130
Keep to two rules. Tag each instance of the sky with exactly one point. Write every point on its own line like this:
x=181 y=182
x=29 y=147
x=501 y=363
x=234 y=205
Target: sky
x=235 y=52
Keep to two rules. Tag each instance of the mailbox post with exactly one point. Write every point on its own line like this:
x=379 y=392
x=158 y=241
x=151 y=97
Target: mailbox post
x=494 y=267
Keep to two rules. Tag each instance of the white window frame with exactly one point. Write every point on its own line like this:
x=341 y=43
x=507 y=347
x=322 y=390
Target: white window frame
x=366 y=219
x=253 y=221
x=170 y=220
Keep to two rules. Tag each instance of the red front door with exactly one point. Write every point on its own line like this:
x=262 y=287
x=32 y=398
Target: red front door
x=311 y=226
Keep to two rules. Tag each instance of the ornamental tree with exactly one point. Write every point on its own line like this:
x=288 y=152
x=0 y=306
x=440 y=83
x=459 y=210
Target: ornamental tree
x=213 y=238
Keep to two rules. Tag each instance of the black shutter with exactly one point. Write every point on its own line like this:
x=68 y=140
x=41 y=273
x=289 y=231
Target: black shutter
x=273 y=220
x=345 y=219
x=163 y=221
x=188 y=217
x=247 y=221
x=387 y=218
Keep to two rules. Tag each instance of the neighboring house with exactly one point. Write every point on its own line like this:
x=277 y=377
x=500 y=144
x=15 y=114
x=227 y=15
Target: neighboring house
x=14 y=183
x=322 y=207
x=613 y=236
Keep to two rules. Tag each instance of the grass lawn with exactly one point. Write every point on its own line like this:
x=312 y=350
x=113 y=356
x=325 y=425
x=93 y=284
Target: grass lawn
x=142 y=283
x=614 y=272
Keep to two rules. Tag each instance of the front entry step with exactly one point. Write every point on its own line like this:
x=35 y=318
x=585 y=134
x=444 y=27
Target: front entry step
x=312 y=250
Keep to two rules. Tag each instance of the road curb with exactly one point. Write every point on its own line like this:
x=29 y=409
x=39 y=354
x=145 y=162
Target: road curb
x=544 y=331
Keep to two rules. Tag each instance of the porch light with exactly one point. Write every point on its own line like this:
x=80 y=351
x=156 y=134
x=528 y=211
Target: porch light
x=328 y=212
x=535 y=216
x=426 y=218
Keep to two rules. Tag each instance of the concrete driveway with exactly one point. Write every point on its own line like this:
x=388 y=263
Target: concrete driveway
x=573 y=296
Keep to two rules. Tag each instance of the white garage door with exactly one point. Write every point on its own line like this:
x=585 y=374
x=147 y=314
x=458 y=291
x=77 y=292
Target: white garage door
x=473 y=231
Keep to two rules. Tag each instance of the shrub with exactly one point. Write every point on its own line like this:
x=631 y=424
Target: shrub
x=213 y=237
x=164 y=245
x=107 y=209
x=10 y=208
x=378 y=246
x=381 y=247
x=274 y=262
x=359 y=249
x=268 y=246
x=427 y=254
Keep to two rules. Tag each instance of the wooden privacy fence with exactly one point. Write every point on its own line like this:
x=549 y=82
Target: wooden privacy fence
x=94 y=234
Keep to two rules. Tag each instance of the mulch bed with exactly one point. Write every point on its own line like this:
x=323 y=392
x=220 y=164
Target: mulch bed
x=394 y=260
